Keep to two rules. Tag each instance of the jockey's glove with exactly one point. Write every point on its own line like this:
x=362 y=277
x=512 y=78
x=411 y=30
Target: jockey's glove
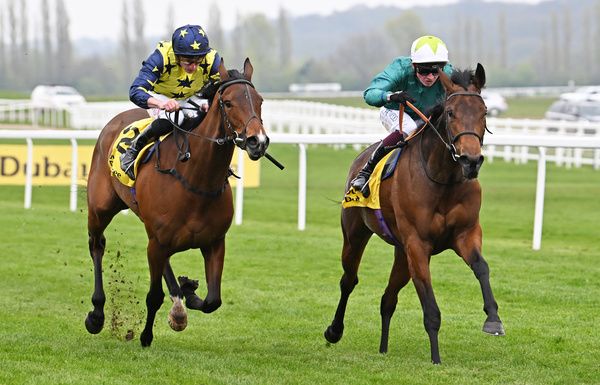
x=401 y=97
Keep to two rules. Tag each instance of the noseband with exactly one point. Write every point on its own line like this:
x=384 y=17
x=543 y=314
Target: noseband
x=230 y=133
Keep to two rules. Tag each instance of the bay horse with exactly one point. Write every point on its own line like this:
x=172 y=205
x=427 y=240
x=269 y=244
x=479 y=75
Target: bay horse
x=188 y=206
x=431 y=203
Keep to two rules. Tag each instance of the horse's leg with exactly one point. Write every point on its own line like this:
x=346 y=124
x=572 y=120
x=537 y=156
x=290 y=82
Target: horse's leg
x=399 y=277
x=94 y=322
x=103 y=205
x=418 y=262
x=177 y=315
x=356 y=237
x=157 y=260
x=213 y=269
x=470 y=252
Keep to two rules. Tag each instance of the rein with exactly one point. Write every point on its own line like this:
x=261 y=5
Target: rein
x=451 y=139
x=225 y=127
x=233 y=137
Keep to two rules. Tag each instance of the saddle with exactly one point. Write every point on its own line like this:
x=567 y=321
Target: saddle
x=383 y=170
x=122 y=143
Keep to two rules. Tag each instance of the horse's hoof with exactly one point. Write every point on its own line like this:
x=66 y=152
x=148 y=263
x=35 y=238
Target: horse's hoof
x=494 y=328
x=146 y=339
x=331 y=336
x=93 y=323
x=177 y=315
x=177 y=322
x=210 y=306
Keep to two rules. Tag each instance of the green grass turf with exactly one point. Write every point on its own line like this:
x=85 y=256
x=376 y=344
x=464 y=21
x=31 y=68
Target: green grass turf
x=280 y=290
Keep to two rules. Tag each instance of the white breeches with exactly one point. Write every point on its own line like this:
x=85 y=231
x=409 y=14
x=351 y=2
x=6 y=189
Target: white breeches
x=188 y=110
x=390 y=120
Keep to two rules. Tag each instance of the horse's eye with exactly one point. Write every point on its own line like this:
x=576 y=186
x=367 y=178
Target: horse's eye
x=450 y=113
x=227 y=103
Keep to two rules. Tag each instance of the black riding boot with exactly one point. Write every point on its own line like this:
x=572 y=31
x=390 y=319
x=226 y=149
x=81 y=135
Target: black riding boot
x=157 y=128
x=359 y=183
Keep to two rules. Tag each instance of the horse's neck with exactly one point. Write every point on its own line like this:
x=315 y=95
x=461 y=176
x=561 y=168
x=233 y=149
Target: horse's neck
x=209 y=163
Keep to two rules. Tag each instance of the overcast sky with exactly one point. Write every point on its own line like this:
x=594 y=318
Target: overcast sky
x=101 y=18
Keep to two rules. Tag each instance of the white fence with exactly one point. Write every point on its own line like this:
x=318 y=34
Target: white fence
x=301 y=117
x=542 y=142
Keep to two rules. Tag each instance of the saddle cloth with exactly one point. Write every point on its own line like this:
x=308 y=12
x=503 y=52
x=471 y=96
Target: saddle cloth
x=382 y=171
x=121 y=144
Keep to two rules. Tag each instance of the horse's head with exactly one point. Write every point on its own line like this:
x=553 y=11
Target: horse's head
x=240 y=106
x=465 y=113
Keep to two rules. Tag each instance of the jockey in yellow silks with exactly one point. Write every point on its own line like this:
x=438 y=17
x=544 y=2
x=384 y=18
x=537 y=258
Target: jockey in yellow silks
x=171 y=77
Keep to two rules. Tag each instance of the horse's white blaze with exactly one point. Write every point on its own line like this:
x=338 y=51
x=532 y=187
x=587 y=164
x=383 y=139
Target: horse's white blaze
x=262 y=138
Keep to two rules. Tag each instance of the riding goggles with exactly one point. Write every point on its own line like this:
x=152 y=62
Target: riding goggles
x=421 y=70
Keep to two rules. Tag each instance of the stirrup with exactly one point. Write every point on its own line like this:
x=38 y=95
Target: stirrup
x=359 y=182
x=130 y=172
x=365 y=190
x=363 y=177
x=128 y=163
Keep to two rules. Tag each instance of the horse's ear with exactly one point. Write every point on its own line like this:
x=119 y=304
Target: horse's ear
x=479 y=80
x=248 y=69
x=222 y=71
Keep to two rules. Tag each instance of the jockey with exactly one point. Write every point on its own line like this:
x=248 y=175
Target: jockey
x=175 y=71
x=413 y=79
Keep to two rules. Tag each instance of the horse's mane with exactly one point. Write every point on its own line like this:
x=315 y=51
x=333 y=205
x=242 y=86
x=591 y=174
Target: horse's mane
x=435 y=112
x=462 y=77
x=235 y=74
x=210 y=89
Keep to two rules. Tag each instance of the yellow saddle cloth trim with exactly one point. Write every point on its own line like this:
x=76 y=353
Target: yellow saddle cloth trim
x=356 y=199
x=121 y=144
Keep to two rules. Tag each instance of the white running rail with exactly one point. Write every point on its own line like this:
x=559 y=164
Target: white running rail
x=302 y=117
x=543 y=144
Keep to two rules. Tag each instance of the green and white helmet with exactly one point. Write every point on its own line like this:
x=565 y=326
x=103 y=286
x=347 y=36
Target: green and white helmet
x=428 y=49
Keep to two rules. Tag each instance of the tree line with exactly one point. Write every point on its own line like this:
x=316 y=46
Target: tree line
x=561 y=51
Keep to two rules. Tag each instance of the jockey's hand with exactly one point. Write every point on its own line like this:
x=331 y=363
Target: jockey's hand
x=401 y=97
x=170 y=105
x=204 y=105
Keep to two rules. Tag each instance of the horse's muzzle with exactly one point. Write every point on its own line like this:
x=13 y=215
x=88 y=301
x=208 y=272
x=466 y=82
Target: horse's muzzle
x=256 y=146
x=470 y=165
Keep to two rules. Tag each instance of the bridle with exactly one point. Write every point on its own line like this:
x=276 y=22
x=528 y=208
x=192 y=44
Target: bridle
x=452 y=139
x=449 y=144
x=230 y=133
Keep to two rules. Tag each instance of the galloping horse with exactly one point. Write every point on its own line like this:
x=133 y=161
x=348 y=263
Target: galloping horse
x=430 y=204
x=189 y=206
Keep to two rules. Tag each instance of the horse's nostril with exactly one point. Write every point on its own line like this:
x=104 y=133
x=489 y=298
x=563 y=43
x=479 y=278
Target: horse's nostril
x=252 y=142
